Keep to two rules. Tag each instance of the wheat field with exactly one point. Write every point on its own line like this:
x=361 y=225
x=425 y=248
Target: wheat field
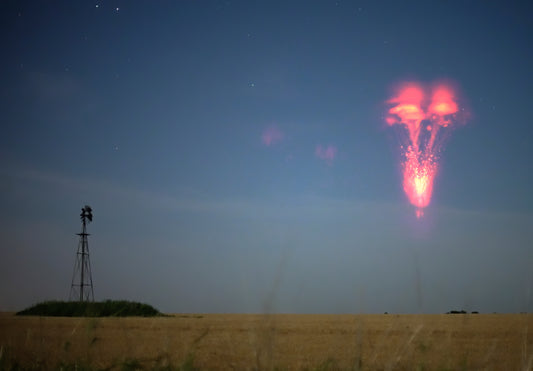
x=268 y=342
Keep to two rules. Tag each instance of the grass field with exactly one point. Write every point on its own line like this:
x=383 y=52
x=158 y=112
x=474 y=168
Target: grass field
x=265 y=342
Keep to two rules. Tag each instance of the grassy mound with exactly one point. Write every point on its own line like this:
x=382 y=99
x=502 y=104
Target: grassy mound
x=108 y=308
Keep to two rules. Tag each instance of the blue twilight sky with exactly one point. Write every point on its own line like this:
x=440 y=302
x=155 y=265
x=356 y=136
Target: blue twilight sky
x=236 y=158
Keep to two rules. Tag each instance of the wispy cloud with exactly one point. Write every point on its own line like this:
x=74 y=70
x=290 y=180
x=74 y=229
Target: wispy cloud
x=53 y=88
x=184 y=200
x=59 y=96
x=326 y=153
x=271 y=135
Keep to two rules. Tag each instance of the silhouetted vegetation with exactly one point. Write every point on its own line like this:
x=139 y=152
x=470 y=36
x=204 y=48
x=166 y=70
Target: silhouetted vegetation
x=461 y=312
x=108 y=308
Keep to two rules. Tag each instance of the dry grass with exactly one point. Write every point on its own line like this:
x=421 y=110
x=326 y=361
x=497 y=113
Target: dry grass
x=264 y=342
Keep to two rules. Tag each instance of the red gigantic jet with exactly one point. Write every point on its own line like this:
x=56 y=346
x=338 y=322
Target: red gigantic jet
x=423 y=113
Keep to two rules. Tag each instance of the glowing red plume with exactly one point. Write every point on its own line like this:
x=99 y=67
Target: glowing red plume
x=420 y=153
x=442 y=104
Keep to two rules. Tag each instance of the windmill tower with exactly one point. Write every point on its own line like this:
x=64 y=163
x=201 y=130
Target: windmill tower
x=81 y=288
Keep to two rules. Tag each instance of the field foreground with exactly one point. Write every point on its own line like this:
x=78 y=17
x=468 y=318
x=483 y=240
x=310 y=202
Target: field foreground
x=263 y=342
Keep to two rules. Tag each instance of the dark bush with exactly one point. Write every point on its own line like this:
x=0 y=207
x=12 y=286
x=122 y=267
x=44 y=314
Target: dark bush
x=108 y=308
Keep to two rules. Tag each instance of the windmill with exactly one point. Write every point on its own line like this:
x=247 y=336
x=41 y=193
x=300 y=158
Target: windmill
x=81 y=288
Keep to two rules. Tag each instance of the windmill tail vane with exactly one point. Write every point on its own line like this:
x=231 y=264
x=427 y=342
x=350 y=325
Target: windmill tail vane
x=86 y=213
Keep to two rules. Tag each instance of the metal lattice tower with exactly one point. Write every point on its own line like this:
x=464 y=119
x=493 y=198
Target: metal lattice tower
x=81 y=288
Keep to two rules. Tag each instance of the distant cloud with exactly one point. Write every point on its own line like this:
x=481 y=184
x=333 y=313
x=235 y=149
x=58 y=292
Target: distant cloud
x=271 y=135
x=53 y=88
x=327 y=154
x=289 y=157
x=60 y=95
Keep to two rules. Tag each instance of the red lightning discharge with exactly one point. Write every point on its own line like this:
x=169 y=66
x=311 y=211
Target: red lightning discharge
x=411 y=108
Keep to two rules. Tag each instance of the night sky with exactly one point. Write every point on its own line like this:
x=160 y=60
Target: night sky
x=236 y=157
